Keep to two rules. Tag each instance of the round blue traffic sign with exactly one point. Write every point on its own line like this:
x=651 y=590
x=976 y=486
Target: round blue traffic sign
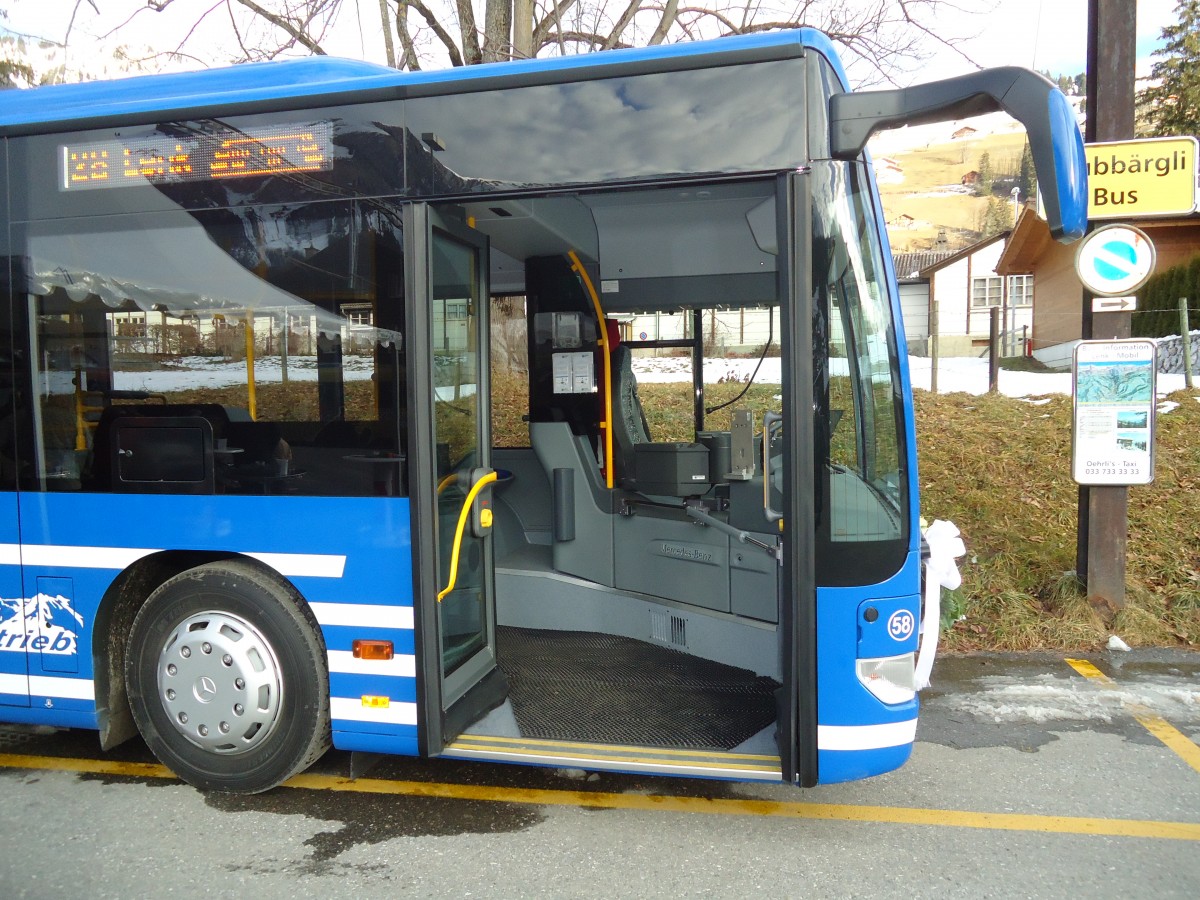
x=1115 y=260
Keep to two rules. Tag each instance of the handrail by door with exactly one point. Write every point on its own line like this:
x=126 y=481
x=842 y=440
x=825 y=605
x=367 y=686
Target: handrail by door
x=459 y=528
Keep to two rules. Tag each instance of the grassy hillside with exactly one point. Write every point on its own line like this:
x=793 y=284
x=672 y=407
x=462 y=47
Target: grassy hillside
x=928 y=168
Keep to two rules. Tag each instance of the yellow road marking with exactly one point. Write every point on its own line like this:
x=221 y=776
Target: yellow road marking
x=1171 y=736
x=834 y=812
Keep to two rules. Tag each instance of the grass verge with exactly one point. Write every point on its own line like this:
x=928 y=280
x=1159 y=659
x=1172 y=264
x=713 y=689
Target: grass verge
x=999 y=468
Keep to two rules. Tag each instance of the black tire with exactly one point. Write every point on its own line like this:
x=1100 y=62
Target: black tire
x=227 y=679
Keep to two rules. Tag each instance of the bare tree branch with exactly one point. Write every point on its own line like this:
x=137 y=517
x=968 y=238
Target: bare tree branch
x=298 y=34
x=551 y=21
x=237 y=33
x=409 y=60
x=389 y=48
x=881 y=39
x=621 y=24
x=472 y=54
x=665 y=23
x=586 y=38
x=436 y=27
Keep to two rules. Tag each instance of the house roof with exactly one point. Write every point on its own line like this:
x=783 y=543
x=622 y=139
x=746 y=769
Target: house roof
x=1030 y=237
x=952 y=258
x=910 y=266
x=1031 y=240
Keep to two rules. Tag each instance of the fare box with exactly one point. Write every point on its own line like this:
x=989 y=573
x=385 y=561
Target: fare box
x=1113 y=389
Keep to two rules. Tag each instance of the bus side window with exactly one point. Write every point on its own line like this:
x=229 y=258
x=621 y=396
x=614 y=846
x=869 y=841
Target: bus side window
x=288 y=319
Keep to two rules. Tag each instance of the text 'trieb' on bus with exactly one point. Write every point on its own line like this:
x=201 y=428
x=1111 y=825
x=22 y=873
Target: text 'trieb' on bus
x=321 y=421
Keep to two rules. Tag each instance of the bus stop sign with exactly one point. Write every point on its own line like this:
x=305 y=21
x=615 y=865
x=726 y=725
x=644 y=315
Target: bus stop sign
x=1114 y=260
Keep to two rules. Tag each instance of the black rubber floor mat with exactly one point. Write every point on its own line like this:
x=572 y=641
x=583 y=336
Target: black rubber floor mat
x=580 y=686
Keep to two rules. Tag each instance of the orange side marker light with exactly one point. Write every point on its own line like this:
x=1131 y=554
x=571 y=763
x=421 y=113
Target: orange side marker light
x=366 y=649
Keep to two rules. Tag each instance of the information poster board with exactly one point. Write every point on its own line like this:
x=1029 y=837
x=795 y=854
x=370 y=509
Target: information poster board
x=1114 y=393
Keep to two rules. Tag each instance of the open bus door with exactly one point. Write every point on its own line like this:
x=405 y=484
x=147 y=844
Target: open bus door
x=796 y=434
x=452 y=515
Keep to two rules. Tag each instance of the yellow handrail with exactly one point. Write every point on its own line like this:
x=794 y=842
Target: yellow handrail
x=458 y=531
x=251 y=391
x=82 y=424
x=577 y=266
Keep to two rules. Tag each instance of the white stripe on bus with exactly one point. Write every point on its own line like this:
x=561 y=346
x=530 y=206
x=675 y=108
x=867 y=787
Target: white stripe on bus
x=66 y=688
x=364 y=615
x=46 y=686
x=399 y=666
x=351 y=709
x=314 y=565
x=866 y=737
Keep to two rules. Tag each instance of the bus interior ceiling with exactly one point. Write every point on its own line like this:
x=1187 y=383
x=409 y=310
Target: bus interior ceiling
x=616 y=601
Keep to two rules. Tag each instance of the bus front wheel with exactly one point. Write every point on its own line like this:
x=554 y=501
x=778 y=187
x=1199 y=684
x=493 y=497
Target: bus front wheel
x=227 y=679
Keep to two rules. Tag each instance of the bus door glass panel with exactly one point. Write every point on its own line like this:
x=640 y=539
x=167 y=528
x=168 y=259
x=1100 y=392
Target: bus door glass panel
x=863 y=531
x=14 y=621
x=458 y=318
x=863 y=384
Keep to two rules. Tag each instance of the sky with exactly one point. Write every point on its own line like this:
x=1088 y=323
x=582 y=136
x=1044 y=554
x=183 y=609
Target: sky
x=1040 y=34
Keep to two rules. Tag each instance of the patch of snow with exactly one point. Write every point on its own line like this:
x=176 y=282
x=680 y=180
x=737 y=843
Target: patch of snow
x=1047 y=698
x=970 y=375
x=191 y=372
x=946 y=190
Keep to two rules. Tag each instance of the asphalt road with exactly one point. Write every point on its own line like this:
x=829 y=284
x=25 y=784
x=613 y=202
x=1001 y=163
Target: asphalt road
x=1030 y=778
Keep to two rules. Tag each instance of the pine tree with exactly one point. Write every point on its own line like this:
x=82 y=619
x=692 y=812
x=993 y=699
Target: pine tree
x=986 y=175
x=996 y=217
x=1172 y=105
x=1026 y=179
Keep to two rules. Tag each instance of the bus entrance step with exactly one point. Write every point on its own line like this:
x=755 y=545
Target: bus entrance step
x=583 y=686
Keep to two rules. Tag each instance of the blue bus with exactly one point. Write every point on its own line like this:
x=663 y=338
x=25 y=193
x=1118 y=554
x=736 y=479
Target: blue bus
x=322 y=427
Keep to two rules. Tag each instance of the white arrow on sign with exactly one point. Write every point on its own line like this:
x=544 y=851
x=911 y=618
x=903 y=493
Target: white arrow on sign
x=1114 y=304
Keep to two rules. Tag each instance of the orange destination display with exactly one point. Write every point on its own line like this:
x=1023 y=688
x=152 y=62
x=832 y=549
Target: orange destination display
x=199 y=156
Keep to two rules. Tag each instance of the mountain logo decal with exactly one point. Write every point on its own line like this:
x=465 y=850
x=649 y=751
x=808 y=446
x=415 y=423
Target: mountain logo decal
x=42 y=624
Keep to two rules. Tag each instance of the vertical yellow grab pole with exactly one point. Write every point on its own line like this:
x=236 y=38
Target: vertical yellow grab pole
x=252 y=397
x=80 y=410
x=577 y=267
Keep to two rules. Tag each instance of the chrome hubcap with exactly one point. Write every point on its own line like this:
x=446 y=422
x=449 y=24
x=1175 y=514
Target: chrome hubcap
x=219 y=682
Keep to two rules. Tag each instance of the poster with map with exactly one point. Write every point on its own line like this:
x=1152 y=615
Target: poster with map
x=1113 y=436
